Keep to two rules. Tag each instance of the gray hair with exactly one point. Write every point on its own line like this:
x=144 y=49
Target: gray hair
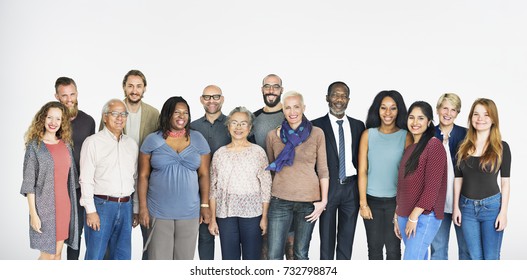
x=241 y=109
x=106 y=107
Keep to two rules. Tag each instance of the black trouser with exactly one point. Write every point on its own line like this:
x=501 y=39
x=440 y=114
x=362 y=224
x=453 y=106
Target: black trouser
x=379 y=231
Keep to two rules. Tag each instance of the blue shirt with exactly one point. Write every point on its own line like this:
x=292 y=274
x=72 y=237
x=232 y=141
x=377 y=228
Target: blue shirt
x=173 y=188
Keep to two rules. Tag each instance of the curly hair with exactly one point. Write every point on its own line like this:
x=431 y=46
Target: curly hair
x=168 y=111
x=37 y=128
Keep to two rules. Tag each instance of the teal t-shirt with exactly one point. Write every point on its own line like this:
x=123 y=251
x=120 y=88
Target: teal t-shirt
x=384 y=155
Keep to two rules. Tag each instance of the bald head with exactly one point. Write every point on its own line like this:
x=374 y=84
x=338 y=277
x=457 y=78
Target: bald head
x=212 y=90
x=212 y=100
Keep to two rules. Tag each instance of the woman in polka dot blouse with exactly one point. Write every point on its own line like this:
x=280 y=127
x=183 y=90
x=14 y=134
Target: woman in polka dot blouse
x=421 y=186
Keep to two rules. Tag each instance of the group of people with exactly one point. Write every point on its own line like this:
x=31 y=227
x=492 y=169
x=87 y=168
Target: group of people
x=262 y=180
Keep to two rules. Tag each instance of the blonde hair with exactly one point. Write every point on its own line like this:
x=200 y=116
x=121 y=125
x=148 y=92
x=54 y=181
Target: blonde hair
x=292 y=94
x=491 y=158
x=450 y=97
x=37 y=128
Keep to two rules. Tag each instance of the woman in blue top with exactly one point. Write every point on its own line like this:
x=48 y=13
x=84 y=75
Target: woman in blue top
x=381 y=147
x=173 y=184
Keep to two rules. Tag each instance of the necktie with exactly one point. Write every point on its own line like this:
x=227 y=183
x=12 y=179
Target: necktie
x=342 y=152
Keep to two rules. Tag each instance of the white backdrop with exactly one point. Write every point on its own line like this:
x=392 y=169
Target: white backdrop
x=420 y=48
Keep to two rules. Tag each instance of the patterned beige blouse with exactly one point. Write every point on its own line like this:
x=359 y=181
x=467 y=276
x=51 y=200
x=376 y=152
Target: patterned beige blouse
x=239 y=182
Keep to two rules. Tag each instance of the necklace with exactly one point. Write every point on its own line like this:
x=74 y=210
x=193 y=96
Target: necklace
x=177 y=133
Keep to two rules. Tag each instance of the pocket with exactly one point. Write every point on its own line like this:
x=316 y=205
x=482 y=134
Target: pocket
x=494 y=205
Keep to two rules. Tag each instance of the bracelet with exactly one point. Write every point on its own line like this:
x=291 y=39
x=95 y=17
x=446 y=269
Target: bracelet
x=204 y=205
x=412 y=221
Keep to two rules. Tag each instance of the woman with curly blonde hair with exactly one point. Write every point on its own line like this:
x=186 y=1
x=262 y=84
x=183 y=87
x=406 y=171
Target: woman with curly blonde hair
x=49 y=182
x=480 y=205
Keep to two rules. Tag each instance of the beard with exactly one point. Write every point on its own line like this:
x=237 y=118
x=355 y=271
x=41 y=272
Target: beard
x=336 y=112
x=273 y=103
x=133 y=101
x=73 y=111
x=210 y=111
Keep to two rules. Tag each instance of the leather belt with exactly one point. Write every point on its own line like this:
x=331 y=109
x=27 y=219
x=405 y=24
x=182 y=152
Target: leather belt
x=114 y=199
x=346 y=180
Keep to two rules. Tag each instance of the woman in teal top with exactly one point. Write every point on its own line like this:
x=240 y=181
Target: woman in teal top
x=381 y=147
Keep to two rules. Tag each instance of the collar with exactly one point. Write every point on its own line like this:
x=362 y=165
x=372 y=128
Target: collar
x=334 y=119
x=110 y=134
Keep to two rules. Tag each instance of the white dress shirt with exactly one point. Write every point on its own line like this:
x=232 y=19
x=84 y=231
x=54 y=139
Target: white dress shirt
x=108 y=167
x=350 y=168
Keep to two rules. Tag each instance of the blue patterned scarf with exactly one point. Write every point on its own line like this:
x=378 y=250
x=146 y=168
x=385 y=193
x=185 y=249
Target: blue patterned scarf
x=291 y=138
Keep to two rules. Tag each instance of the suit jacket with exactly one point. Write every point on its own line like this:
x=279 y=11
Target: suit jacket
x=357 y=127
x=149 y=122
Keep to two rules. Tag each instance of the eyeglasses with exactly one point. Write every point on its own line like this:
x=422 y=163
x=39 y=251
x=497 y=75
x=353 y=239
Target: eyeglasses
x=215 y=97
x=243 y=124
x=274 y=87
x=116 y=114
x=181 y=113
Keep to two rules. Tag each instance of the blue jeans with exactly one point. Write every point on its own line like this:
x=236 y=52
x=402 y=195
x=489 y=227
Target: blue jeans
x=115 y=232
x=280 y=216
x=477 y=222
x=439 y=246
x=379 y=230
x=416 y=247
x=240 y=237
x=205 y=243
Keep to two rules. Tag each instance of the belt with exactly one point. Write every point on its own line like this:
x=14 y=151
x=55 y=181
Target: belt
x=346 y=180
x=114 y=199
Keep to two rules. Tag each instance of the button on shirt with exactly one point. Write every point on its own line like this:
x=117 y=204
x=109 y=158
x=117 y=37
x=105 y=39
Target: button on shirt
x=350 y=168
x=108 y=167
x=215 y=133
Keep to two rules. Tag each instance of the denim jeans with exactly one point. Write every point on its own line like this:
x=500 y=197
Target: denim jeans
x=280 y=217
x=240 y=238
x=477 y=222
x=416 y=247
x=205 y=243
x=379 y=230
x=115 y=232
x=439 y=246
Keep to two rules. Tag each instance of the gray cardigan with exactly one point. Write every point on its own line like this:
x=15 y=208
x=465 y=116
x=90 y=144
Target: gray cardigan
x=39 y=178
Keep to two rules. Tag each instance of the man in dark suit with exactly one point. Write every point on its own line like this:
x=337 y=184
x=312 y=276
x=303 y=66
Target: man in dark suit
x=342 y=138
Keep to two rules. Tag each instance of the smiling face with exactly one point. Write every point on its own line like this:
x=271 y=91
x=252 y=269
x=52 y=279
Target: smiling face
x=134 y=88
x=417 y=123
x=447 y=113
x=180 y=117
x=115 y=124
x=239 y=126
x=388 y=111
x=338 y=100
x=67 y=95
x=481 y=121
x=293 y=110
x=272 y=91
x=212 y=106
x=53 y=121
